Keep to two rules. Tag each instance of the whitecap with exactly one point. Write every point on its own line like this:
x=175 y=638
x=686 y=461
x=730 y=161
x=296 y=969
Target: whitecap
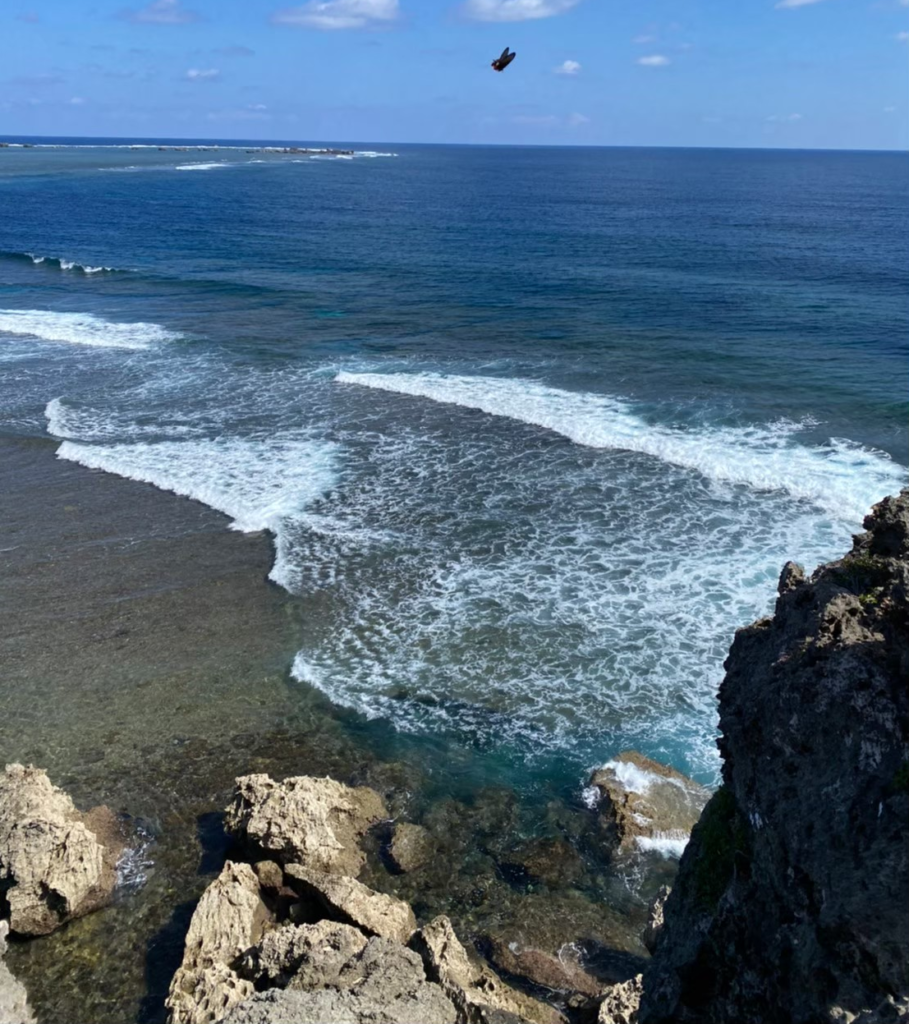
x=82 y=329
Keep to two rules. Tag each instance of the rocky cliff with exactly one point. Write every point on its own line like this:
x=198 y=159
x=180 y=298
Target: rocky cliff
x=792 y=899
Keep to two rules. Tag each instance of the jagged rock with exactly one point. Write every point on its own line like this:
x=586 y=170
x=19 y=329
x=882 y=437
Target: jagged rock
x=229 y=919
x=621 y=1002
x=561 y=972
x=55 y=863
x=553 y=861
x=14 y=1008
x=647 y=804
x=654 y=925
x=382 y=984
x=411 y=847
x=475 y=990
x=303 y=956
x=790 y=901
x=347 y=900
x=314 y=822
x=269 y=874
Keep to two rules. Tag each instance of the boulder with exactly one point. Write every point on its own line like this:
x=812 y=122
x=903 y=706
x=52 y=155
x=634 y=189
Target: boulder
x=621 y=1002
x=411 y=847
x=477 y=993
x=347 y=900
x=306 y=956
x=229 y=919
x=654 y=925
x=304 y=820
x=384 y=983
x=55 y=863
x=647 y=804
x=14 y=1008
x=561 y=972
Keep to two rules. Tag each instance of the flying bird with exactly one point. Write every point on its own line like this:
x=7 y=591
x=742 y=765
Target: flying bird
x=500 y=63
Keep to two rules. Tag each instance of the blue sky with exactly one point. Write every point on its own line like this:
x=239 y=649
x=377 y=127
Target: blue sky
x=788 y=73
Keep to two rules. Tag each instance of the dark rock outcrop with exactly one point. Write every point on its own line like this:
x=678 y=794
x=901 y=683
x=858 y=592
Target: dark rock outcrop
x=791 y=899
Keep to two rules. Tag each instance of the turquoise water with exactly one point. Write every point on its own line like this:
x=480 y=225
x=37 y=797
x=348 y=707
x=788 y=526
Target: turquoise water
x=534 y=429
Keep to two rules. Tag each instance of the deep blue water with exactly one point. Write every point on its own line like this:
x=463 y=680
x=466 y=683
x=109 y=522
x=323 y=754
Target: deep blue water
x=535 y=429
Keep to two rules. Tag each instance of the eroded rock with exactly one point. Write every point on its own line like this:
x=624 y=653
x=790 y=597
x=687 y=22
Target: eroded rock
x=303 y=956
x=475 y=990
x=561 y=972
x=304 y=820
x=411 y=847
x=56 y=864
x=654 y=925
x=229 y=919
x=382 y=984
x=14 y=1008
x=647 y=804
x=347 y=900
x=621 y=1002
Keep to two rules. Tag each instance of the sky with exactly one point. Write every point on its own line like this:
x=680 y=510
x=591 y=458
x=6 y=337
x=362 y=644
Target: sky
x=766 y=73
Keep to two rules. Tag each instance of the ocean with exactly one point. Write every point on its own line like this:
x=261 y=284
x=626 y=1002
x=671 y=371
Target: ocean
x=533 y=429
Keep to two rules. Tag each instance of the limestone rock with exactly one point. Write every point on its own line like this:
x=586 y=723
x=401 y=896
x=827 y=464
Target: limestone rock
x=561 y=972
x=620 y=1005
x=347 y=900
x=53 y=865
x=306 y=956
x=477 y=993
x=229 y=919
x=647 y=804
x=790 y=901
x=654 y=925
x=411 y=847
x=14 y=1008
x=382 y=984
x=309 y=821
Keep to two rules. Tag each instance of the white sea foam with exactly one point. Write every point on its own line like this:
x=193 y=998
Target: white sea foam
x=260 y=484
x=84 y=423
x=634 y=779
x=201 y=167
x=64 y=264
x=666 y=844
x=841 y=477
x=82 y=329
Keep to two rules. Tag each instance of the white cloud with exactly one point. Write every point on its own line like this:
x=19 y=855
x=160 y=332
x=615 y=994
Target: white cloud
x=784 y=117
x=890 y=110
x=256 y=106
x=644 y=39
x=75 y=101
x=796 y=3
x=162 y=12
x=576 y=120
x=655 y=60
x=338 y=14
x=568 y=67
x=202 y=74
x=516 y=10
x=902 y=37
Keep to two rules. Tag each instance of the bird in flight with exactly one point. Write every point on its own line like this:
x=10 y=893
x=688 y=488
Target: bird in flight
x=500 y=63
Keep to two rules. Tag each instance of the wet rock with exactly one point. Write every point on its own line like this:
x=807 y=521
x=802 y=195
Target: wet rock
x=647 y=804
x=552 y=861
x=347 y=900
x=382 y=984
x=790 y=900
x=306 y=956
x=620 y=1005
x=411 y=847
x=14 y=1008
x=475 y=990
x=654 y=925
x=229 y=919
x=309 y=821
x=561 y=972
x=55 y=863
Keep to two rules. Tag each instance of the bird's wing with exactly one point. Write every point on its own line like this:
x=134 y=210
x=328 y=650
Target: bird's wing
x=504 y=54
x=509 y=59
